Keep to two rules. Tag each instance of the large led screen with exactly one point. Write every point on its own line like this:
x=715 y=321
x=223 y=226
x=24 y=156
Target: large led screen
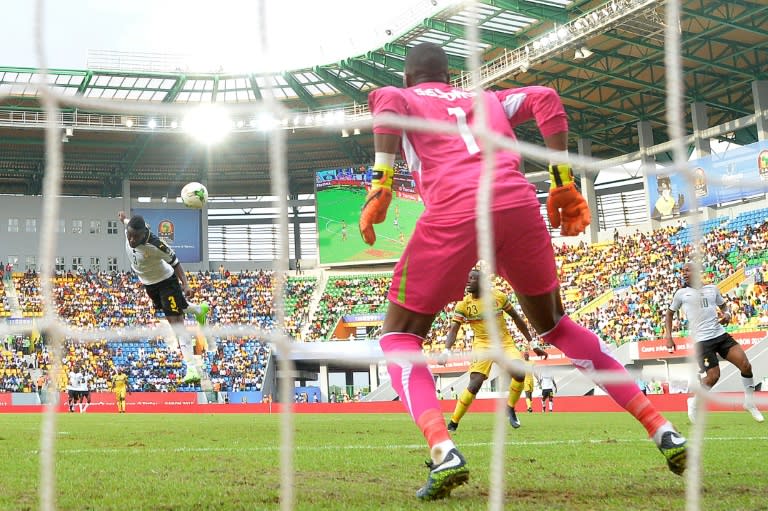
x=340 y=194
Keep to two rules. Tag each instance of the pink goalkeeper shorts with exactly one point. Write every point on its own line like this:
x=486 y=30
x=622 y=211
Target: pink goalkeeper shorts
x=434 y=267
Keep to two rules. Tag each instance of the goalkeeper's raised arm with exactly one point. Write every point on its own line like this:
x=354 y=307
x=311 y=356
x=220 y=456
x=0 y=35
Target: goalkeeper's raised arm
x=379 y=197
x=566 y=208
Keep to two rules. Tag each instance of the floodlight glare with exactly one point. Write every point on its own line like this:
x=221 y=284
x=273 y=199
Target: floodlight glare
x=265 y=122
x=152 y=124
x=208 y=124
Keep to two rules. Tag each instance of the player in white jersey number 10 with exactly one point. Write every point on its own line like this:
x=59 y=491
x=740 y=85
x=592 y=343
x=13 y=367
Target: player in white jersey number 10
x=707 y=306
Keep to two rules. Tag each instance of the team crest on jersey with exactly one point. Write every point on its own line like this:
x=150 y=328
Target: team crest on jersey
x=706 y=361
x=165 y=231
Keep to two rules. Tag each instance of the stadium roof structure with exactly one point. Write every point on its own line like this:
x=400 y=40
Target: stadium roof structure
x=606 y=59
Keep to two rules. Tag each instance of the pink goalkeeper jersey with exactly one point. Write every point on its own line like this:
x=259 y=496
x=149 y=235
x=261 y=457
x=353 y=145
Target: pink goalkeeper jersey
x=446 y=167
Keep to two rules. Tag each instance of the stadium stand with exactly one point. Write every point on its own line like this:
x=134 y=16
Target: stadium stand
x=238 y=364
x=5 y=306
x=348 y=294
x=637 y=271
x=99 y=300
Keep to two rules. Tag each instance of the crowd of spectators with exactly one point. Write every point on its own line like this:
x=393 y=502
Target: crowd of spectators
x=113 y=300
x=354 y=294
x=151 y=365
x=15 y=375
x=298 y=295
x=5 y=305
x=650 y=264
x=96 y=300
x=641 y=270
x=238 y=364
x=28 y=292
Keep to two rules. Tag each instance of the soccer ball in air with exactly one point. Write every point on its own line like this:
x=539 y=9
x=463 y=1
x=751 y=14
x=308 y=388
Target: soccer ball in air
x=194 y=195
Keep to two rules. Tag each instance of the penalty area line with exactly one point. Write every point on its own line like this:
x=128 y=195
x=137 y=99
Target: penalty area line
x=347 y=447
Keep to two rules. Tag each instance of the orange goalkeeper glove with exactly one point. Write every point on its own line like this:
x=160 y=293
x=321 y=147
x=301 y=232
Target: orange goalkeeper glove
x=566 y=208
x=376 y=203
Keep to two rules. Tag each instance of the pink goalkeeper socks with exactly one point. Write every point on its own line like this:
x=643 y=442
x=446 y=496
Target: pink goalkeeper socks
x=589 y=354
x=412 y=381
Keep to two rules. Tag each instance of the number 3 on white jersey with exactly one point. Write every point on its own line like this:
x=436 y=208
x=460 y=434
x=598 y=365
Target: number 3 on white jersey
x=466 y=134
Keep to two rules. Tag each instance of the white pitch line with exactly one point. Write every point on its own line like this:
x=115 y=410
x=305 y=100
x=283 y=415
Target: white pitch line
x=535 y=443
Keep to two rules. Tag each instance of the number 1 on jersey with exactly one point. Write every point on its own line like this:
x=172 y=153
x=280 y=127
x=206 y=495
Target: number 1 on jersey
x=466 y=134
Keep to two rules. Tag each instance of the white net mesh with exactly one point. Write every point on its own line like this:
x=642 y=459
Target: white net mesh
x=52 y=101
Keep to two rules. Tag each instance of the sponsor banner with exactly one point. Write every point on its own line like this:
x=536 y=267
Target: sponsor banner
x=146 y=401
x=245 y=397
x=19 y=321
x=181 y=229
x=733 y=175
x=662 y=402
x=407 y=195
x=363 y=318
x=457 y=366
x=347 y=182
x=555 y=358
x=685 y=346
x=167 y=402
x=342 y=176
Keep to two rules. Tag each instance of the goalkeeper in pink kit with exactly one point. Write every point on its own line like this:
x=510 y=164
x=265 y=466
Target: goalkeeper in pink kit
x=443 y=248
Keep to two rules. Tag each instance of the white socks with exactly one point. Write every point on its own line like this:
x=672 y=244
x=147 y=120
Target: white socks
x=186 y=349
x=749 y=391
x=439 y=451
x=660 y=432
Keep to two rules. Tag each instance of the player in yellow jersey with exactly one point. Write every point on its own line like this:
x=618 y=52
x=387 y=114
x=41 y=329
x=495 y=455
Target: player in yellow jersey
x=529 y=378
x=470 y=310
x=528 y=383
x=120 y=388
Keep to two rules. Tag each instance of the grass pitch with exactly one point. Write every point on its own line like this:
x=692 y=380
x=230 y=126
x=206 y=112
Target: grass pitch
x=579 y=461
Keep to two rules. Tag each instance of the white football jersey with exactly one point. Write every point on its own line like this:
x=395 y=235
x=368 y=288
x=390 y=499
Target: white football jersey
x=75 y=381
x=152 y=261
x=546 y=378
x=84 y=378
x=705 y=303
